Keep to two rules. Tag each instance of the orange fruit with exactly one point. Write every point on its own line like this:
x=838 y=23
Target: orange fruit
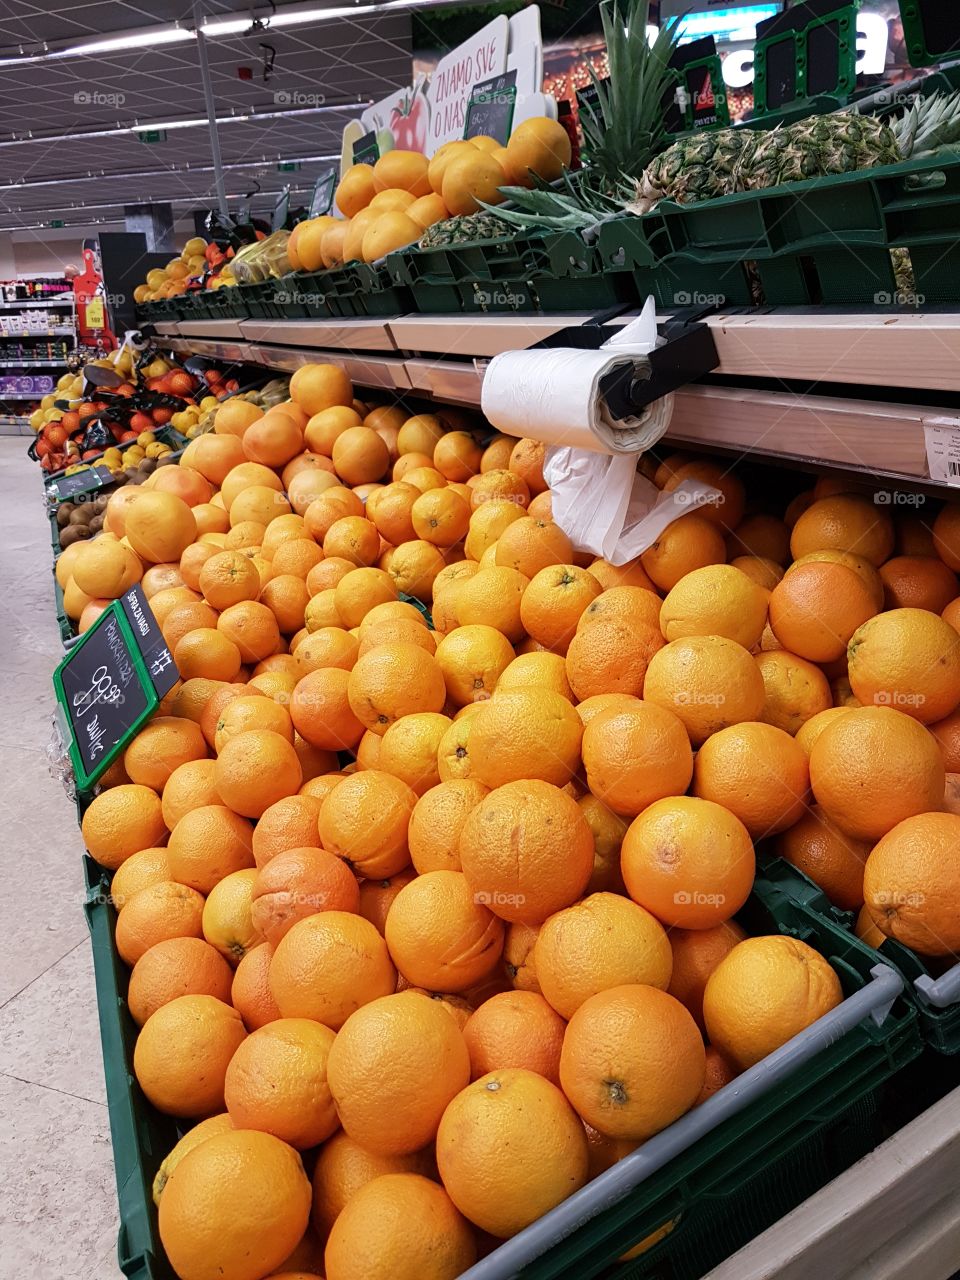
x=794 y=690
x=353 y=538
x=159 y=527
x=391 y=510
x=636 y=755
x=608 y=830
x=525 y=733
x=696 y=953
x=181 y=1056
x=457 y=456
x=242 y=714
x=364 y=820
x=343 y=1167
x=171 y=598
x=844 y=523
x=236 y=1206
x=488 y=522
x=207 y=844
x=420 y=433
x=519 y=956
x=811 y=729
x=908 y=659
x=276 y=1082
x=298 y=556
x=631 y=574
x=831 y=858
x=199 y=1133
x=246 y=476
x=688 y=861
x=765 y=573
x=146 y=867
x=321 y=611
x=602 y=942
x=287 y=597
x=472 y=660
x=394 y=680
x=690 y=543
x=719 y=1073
x=817 y=607
x=324 y=428
x=227 y=916
x=328 y=647
x=255 y=770
x=408 y=749
x=758 y=772
x=320 y=786
x=184 y=617
x=360 y=455
x=537 y=671
x=946 y=536
x=207 y=652
x=393 y=631
x=629 y=604
x=192 y=696
x=763 y=993
x=176 y=967
x=555 y=602
x=762 y=536
x=529 y=545
x=515 y=1029
x=414 y=567
x=273 y=440
x=192 y=561
x=471 y=180
x=874 y=767
x=360 y=591
x=297 y=883
x=726 y=510
x=611 y=656
x=437 y=821
x=947 y=734
x=526 y=461
x=336 y=503
x=717 y=600
x=590 y=708
x=520 y=1111
x=315 y=387
x=250 y=994
x=908 y=884
x=210 y=715
x=401 y=1056
x=235 y=416
x=160 y=747
x=377 y=896
x=526 y=851
x=632 y=1061
x=291 y=823
x=122 y=821
x=440 y=517
x=918 y=582
x=440 y=937
x=399 y=1226
x=328 y=965
x=228 y=578
x=252 y=627
x=708 y=682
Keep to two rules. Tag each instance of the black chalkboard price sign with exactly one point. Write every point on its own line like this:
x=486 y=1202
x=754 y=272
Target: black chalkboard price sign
x=110 y=683
x=366 y=150
x=490 y=108
x=80 y=482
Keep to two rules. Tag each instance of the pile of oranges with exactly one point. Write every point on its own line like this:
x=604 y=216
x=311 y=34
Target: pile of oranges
x=427 y=927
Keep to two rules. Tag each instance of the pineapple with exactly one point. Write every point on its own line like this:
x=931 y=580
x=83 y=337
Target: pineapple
x=709 y=165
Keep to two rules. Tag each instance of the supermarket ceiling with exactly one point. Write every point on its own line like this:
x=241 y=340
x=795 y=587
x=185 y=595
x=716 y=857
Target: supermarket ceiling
x=71 y=123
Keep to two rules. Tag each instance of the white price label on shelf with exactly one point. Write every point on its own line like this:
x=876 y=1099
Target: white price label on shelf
x=942 y=439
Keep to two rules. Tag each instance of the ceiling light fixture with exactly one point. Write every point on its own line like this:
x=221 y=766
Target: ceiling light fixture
x=104 y=176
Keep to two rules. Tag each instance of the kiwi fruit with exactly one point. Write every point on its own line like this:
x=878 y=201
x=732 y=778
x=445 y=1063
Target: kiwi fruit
x=74 y=533
x=147 y=465
x=79 y=515
x=96 y=524
x=64 y=512
x=99 y=504
x=166 y=461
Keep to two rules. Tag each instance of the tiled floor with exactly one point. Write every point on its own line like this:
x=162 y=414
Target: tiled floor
x=58 y=1207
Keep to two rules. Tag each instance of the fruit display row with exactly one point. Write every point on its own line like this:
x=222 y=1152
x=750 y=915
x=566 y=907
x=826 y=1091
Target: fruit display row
x=201 y=265
x=460 y=864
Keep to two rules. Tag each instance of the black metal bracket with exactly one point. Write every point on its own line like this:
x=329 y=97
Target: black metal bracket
x=688 y=354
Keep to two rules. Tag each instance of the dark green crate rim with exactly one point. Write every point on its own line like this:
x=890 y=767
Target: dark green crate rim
x=720 y=1172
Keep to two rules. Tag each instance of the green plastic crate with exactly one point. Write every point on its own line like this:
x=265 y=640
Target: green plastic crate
x=732 y=1183
x=824 y=241
x=939 y=1026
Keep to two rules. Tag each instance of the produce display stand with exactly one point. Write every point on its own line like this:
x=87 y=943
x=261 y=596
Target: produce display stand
x=724 y=1171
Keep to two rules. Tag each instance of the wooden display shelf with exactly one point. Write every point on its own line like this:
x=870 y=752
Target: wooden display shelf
x=341 y=335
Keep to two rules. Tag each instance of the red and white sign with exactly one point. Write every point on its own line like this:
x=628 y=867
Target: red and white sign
x=480 y=58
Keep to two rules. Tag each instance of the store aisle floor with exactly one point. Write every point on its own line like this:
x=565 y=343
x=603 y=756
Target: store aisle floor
x=58 y=1208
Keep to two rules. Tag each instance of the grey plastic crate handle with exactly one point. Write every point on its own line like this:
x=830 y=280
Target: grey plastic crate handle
x=943 y=992
x=872 y=1001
